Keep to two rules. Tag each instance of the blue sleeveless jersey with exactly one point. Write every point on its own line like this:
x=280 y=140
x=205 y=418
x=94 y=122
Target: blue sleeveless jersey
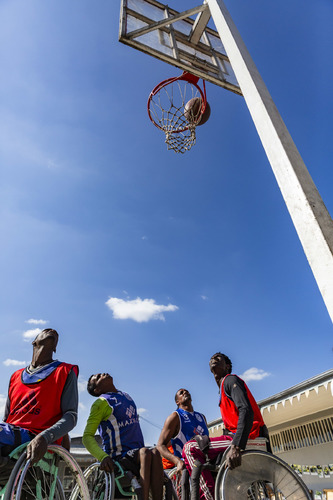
x=121 y=432
x=191 y=424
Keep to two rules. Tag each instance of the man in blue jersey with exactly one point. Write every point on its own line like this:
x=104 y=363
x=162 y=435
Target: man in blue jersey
x=182 y=425
x=115 y=416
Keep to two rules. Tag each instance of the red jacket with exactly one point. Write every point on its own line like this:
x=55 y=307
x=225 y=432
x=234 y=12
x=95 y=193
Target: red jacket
x=37 y=406
x=229 y=412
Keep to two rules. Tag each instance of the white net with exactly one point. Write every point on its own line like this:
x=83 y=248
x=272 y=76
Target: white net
x=180 y=142
x=168 y=111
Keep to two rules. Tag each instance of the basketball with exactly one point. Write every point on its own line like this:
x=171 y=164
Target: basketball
x=192 y=111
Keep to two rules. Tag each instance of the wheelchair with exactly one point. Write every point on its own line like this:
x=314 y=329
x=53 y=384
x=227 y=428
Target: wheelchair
x=108 y=486
x=55 y=477
x=180 y=484
x=261 y=476
x=118 y=484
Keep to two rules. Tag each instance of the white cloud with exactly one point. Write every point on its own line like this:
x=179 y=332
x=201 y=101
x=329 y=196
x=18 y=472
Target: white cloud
x=142 y=411
x=2 y=405
x=254 y=374
x=204 y=297
x=36 y=321
x=31 y=334
x=138 y=310
x=52 y=164
x=14 y=362
x=82 y=384
x=82 y=406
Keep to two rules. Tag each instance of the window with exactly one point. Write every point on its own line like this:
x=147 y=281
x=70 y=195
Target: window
x=310 y=434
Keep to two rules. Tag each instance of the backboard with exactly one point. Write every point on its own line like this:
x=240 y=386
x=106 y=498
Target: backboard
x=178 y=39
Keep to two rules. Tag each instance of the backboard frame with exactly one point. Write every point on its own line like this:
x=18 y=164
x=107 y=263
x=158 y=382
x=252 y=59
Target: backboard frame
x=179 y=40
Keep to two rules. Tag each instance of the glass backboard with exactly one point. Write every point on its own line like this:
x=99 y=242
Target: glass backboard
x=181 y=39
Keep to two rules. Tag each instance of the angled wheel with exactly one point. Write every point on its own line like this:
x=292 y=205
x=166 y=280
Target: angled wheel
x=54 y=477
x=180 y=484
x=101 y=485
x=261 y=476
x=175 y=480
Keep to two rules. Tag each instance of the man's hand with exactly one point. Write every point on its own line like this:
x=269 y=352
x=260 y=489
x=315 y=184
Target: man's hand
x=36 y=449
x=234 y=458
x=66 y=442
x=180 y=467
x=107 y=464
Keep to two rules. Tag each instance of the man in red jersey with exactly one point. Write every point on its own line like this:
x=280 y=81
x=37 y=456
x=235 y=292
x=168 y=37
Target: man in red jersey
x=241 y=417
x=42 y=401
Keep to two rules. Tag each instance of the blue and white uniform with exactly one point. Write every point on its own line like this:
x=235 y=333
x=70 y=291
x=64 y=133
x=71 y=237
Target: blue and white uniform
x=121 y=432
x=190 y=424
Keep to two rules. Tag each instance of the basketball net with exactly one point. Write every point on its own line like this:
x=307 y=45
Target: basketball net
x=167 y=110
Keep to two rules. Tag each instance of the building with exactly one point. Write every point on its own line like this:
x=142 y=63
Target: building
x=79 y=452
x=300 y=423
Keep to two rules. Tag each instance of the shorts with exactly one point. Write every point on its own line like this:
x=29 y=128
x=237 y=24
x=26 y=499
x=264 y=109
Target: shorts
x=131 y=461
x=11 y=437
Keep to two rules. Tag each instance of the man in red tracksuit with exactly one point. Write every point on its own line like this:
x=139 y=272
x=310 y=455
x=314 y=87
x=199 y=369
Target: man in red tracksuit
x=42 y=401
x=241 y=417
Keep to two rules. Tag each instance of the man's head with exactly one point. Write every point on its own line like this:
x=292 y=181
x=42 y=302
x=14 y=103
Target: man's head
x=183 y=397
x=100 y=383
x=48 y=334
x=44 y=345
x=220 y=365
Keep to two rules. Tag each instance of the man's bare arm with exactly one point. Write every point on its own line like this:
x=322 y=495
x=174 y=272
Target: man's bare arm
x=170 y=430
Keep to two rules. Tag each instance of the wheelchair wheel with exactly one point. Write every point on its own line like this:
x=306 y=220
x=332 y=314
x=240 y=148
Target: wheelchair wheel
x=175 y=480
x=180 y=484
x=261 y=476
x=101 y=485
x=54 y=477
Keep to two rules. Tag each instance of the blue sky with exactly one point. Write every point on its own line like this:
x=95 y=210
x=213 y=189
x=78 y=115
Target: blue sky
x=145 y=261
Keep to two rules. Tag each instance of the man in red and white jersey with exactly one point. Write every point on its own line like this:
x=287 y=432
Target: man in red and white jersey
x=42 y=402
x=241 y=417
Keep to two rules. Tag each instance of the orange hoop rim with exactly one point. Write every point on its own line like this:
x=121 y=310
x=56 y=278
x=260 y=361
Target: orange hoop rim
x=188 y=77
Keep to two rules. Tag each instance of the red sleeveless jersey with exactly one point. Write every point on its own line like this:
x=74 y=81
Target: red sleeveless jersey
x=229 y=412
x=37 y=406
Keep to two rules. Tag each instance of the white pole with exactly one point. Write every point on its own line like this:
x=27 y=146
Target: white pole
x=307 y=210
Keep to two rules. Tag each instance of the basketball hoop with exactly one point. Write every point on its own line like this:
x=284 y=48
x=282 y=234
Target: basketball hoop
x=176 y=106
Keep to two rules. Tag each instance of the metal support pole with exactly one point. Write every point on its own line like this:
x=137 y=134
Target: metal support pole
x=311 y=219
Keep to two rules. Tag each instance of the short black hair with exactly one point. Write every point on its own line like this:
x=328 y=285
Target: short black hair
x=91 y=386
x=226 y=359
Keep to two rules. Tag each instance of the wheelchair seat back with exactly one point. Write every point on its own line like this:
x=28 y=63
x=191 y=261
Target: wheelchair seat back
x=259 y=444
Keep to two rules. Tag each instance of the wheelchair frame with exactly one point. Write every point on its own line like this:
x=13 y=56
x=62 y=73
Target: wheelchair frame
x=102 y=485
